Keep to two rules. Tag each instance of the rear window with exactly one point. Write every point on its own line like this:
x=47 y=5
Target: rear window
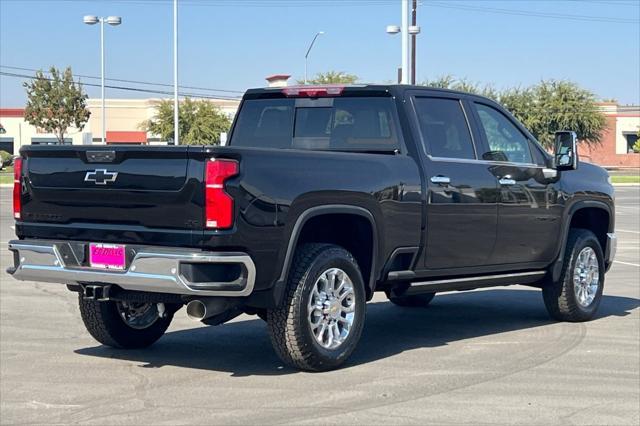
x=344 y=124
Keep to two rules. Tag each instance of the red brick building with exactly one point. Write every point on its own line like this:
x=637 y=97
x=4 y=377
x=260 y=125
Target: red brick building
x=616 y=147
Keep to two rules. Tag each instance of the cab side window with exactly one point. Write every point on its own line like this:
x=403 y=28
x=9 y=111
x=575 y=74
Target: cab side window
x=506 y=141
x=538 y=156
x=444 y=128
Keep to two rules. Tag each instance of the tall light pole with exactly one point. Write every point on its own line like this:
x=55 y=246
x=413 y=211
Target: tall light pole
x=114 y=21
x=414 y=23
x=405 y=31
x=176 y=127
x=319 y=33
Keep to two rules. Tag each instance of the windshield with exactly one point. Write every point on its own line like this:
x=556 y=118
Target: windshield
x=343 y=124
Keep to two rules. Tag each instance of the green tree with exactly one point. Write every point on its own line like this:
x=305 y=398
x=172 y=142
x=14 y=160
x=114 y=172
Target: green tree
x=332 y=77
x=562 y=105
x=200 y=122
x=5 y=159
x=463 y=85
x=57 y=103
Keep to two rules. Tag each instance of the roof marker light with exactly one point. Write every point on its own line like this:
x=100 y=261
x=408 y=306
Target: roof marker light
x=312 y=91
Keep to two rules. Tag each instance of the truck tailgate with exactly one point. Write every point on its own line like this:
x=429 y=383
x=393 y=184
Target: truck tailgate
x=123 y=194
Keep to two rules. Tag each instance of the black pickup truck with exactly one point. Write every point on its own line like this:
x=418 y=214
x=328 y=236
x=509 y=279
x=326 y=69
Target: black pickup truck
x=323 y=196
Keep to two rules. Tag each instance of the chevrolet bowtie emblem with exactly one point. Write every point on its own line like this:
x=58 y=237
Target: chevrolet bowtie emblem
x=100 y=176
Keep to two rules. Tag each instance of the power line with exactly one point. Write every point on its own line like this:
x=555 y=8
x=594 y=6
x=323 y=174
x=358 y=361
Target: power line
x=304 y=3
x=128 y=88
x=130 y=81
x=450 y=4
x=520 y=12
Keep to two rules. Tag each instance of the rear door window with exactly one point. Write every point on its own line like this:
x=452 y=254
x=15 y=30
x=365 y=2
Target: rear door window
x=348 y=124
x=444 y=128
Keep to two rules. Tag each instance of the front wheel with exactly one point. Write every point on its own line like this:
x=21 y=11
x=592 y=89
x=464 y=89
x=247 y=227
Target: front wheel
x=577 y=293
x=126 y=325
x=319 y=323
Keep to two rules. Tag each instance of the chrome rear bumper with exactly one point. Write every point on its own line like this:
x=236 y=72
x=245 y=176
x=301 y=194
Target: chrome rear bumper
x=152 y=269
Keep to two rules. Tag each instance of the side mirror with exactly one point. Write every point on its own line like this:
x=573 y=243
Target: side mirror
x=223 y=138
x=566 y=150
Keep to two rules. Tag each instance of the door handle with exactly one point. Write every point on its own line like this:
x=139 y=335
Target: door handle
x=507 y=181
x=441 y=180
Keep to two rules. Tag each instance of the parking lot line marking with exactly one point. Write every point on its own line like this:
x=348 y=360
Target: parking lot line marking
x=626 y=263
x=626 y=230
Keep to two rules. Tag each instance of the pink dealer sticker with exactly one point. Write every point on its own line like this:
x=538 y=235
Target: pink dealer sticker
x=107 y=256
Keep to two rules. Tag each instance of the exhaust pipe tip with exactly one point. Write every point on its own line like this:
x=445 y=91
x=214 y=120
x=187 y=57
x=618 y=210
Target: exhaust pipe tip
x=196 y=310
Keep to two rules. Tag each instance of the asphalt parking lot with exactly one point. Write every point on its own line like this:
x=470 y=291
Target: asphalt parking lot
x=490 y=356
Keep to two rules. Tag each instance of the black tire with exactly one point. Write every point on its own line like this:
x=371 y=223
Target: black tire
x=105 y=324
x=559 y=297
x=291 y=334
x=413 y=301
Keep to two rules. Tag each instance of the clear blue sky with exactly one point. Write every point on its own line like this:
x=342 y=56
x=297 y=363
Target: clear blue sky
x=227 y=44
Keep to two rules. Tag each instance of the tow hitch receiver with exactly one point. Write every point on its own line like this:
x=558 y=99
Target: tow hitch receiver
x=96 y=292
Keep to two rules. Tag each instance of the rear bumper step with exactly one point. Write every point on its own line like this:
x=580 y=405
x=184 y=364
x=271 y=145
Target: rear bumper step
x=152 y=269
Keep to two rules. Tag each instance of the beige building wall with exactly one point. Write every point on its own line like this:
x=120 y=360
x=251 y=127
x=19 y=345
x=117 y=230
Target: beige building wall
x=128 y=114
x=121 y=114
x=23 y=133
x=124 y=115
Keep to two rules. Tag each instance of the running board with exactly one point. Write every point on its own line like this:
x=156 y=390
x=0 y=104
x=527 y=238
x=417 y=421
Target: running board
x=469 y=283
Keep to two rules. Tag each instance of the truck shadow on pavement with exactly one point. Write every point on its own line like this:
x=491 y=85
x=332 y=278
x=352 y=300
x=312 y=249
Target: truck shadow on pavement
x=242 y=348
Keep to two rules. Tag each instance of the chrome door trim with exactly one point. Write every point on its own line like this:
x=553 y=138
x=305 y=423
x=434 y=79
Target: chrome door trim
x=440 y=179
x=507 y=181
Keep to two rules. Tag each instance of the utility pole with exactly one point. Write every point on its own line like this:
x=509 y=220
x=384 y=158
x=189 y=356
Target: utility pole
x=104 y=117
x=414 y=22
x=407 y=73
x=176 y=128
x=404 y=32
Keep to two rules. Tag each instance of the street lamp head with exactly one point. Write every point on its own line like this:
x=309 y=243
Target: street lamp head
x=393 y=29
x=90 y=19
x=320 y=32
x=414 y=29
x=114 y=20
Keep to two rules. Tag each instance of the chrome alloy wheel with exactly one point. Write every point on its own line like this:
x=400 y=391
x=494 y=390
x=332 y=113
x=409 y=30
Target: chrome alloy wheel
x=331 y=308
x=138 y=315
x=586 y=276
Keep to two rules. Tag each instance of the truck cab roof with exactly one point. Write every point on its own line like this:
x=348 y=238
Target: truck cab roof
x=325 y=90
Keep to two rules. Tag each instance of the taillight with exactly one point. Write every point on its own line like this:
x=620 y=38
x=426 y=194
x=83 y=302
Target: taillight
x=17 y=187
x=218 y=204
x=312 y=91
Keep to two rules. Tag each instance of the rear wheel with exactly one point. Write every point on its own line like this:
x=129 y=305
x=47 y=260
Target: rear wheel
x=577 y=293
x=319 y=323
x=126 y=325
x=413 y=301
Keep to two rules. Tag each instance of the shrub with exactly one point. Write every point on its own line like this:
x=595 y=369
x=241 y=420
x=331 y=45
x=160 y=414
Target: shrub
x=6 y=158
